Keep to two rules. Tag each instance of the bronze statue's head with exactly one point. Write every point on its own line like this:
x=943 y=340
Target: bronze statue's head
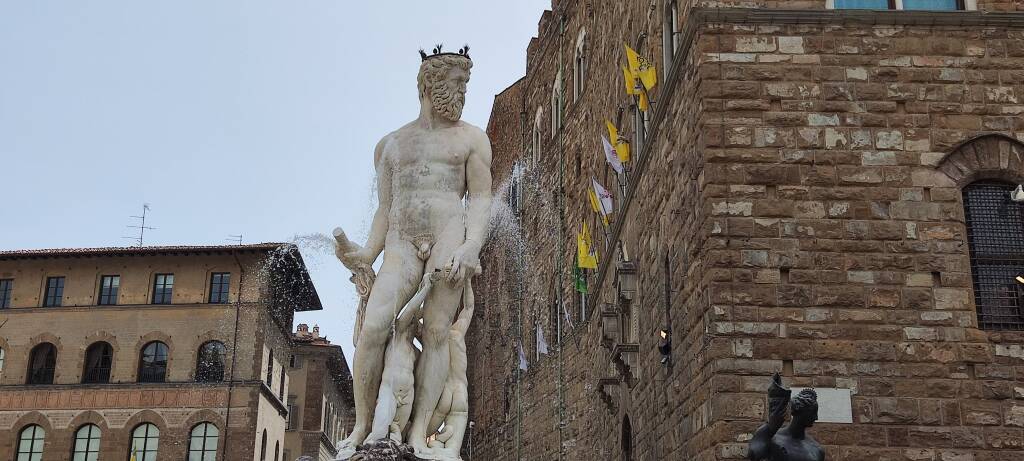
x=442 y=79
x=804 y=408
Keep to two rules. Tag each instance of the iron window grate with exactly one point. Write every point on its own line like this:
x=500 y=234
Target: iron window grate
x=995 y=235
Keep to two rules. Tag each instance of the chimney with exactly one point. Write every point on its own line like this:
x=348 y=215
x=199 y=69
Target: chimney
x=316 y=331
x=303 y=329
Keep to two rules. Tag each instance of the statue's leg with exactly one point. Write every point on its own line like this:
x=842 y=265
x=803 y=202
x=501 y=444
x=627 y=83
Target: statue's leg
x=397 y=280
x=432 y=368
x=384 y=413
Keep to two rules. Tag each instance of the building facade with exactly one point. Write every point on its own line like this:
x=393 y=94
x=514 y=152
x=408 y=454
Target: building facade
x=818 y=190
x=320 y=402
x=157 y=352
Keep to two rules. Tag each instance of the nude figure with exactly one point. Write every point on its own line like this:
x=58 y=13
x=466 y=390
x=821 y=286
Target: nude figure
x=394 y=400
x=425 y=170
x=453 y=408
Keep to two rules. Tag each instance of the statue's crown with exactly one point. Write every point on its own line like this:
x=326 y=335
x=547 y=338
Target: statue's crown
x=437 y=52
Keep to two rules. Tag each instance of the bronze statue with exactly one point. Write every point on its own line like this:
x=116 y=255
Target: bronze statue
x=772 y=442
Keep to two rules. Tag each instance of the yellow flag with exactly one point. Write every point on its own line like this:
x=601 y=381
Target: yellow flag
x=644 y=102
x=630 y=81
x=642 y=68
x=594 y=205
x=621 y=147
x=586 y=259
x=134 y=455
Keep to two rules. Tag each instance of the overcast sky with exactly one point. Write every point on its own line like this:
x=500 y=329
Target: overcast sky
x=249 y=117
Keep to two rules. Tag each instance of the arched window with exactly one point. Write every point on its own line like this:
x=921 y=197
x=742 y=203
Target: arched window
x=210 y=362
x=153 y=363
x=556 y=105
x=536 y=145
x=41 y=363
x=270 y=368
x=30 y=443
x=87 y=443
x=1 y=361
x=202 y=445
x=98 y=359
x=995 y=235
x=277 y=451
x=263 y=446
x=145 y=440
x=280 y=389
x=579 y=73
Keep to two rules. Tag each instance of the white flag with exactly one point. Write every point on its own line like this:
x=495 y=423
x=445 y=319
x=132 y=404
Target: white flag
x=604 y=198
x=542 y=345
x=568 y=318
x=522 y=358
x=611 y=156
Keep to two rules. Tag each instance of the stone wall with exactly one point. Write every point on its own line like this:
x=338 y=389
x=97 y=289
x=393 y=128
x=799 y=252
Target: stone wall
x=797 y=209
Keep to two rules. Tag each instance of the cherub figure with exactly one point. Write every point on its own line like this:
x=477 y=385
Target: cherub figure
x=772 y=442
x=453 y=407
x=397 y=386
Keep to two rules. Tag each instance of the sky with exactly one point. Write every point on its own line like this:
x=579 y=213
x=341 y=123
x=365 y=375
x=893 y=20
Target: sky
x=250 y=117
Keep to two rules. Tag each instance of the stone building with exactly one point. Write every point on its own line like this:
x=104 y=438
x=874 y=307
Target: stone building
x=320 y=402
x=816 y=190
x=170 y=352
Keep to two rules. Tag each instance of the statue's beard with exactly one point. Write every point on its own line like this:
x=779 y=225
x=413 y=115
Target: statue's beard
x=447 y=101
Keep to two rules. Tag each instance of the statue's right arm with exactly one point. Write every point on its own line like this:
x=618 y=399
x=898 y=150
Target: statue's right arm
x=379 y=226
x=760 y=444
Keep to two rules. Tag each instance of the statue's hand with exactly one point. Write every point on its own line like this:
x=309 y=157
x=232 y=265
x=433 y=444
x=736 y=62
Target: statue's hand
x=465 y=262
x=776 y=412
x=355 y=260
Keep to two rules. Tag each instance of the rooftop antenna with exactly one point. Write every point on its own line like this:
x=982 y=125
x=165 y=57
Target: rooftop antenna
x=235 y=238
x=142 y=225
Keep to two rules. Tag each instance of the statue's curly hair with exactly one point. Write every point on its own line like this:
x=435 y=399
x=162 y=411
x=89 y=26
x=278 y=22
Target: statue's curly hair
x=807 y=399
x=434 y=69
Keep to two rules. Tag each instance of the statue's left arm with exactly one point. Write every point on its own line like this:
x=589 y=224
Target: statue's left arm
x=466 y=259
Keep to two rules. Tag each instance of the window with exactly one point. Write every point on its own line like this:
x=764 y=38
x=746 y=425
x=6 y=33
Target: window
x=270 y=368
x=670 y=34
x=210 y=362
x=537 y=139
x=163 y=288
x=556 y=105
x=901 y=4
x=1 y=361
x=54 y=291
x=293 y=414
x=87 y=443
x=98 y=359
x=30 y=443
x=41 y=364
x=153 y=363
x=202 y=445
x=219 y=283
x=145 y=440
x=995 y=236
x=280 y=389
x=109 y=285
x=579 y=70
x=277 y=450
x=6 y=287
x=263 y=446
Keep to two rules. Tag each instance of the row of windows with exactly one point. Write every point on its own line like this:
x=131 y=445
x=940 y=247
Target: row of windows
x=202 y=444
x=99 y=359
x=163 y=290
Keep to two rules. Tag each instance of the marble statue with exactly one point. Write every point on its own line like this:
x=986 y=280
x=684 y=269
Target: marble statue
x=434 y=199
x=453 y=409
x=772 y=442
x=394 y=399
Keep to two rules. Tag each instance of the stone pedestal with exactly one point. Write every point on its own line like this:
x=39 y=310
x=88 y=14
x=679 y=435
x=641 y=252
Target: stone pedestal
x=384 y=450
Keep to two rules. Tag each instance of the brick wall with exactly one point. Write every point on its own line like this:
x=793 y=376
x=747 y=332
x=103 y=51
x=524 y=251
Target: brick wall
x=797 y=210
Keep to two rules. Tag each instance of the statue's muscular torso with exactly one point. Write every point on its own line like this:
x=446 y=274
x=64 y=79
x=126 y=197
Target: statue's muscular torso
x=428 y=178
